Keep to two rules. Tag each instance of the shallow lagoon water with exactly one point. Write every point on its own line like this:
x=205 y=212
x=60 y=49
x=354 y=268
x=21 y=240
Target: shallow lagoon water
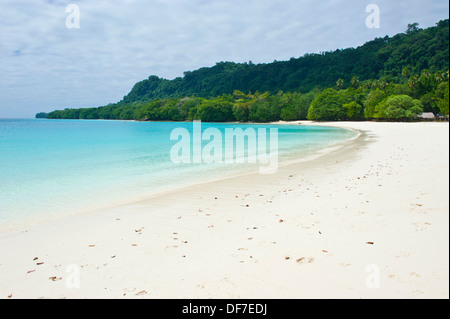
x=51 y=168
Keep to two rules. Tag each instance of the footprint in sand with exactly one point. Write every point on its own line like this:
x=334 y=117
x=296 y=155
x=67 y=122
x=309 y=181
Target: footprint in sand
x=403 y=254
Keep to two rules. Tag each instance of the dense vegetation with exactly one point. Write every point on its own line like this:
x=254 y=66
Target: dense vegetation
x=391 y=78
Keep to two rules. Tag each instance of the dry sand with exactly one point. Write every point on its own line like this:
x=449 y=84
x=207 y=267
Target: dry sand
x=367 y=220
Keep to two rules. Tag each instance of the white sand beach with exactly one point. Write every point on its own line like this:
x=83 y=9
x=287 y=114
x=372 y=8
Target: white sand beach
x=367 y=220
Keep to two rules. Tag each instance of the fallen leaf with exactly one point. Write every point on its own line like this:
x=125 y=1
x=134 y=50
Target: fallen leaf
x=370 y=243
x=141 y=293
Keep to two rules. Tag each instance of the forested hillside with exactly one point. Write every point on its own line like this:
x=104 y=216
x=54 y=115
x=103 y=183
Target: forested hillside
x=387 y=78
x=381 y=58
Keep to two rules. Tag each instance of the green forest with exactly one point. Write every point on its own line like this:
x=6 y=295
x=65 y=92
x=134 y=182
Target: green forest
x=390 y=78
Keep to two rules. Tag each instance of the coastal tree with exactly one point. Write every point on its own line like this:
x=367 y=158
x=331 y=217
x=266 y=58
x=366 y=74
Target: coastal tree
x=340 y=84
x=265 y=110
x=354 y=111
x=398 y=107
x=405 y=74
x=327 y=106
x=429 y=103
x=442 y=98
x=355 y=81
x=215 y=111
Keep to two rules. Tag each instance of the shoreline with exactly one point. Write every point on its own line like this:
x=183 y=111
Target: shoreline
x=309 y=156
x=312 y=230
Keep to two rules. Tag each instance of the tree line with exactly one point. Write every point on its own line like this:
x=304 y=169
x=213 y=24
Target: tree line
x=360 y=100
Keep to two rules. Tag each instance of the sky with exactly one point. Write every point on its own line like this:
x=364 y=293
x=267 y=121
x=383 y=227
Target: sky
x=48 y=63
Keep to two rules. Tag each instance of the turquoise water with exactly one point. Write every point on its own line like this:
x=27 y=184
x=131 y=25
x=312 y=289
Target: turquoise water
x=49 y=168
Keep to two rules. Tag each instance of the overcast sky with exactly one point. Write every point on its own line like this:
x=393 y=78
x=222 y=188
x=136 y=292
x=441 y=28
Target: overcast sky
x=44 y=65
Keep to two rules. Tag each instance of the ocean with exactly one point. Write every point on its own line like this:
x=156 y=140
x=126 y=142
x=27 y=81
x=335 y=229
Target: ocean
x=52 y=168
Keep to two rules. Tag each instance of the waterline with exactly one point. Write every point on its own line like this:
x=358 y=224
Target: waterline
x=53 y=168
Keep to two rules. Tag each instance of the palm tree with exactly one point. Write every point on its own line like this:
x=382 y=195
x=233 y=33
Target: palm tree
x=426 y=73
x=405 y=74
x=376 y=84
x=383 y=84
x=439 y=76
x=355 y=81
x=414 y=84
